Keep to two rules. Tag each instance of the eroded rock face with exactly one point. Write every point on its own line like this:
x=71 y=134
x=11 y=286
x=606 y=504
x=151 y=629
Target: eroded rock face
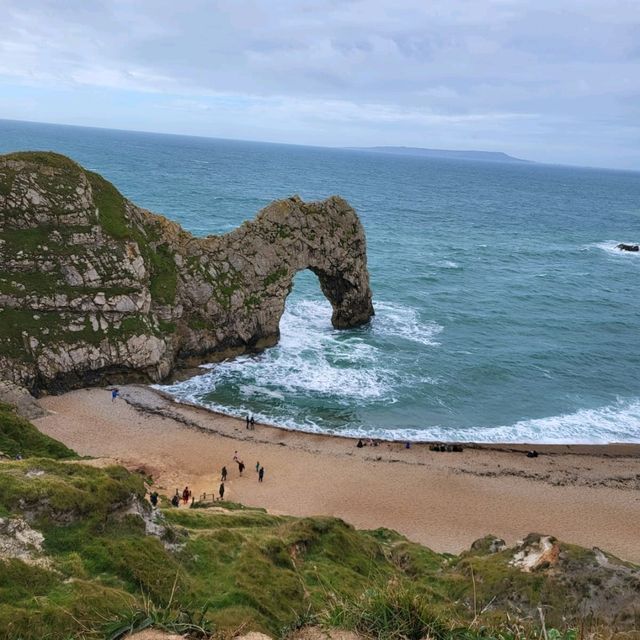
x=26 y=405
x=95 y=289
x=536 y=552
x=19 y=540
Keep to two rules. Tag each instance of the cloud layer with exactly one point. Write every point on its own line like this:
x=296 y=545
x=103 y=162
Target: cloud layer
x=553 y=81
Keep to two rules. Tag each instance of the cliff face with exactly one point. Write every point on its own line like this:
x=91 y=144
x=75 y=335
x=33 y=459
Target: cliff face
x=94 y=288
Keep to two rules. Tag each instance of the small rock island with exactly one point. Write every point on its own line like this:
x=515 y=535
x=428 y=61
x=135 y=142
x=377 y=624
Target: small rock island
x=94 y=288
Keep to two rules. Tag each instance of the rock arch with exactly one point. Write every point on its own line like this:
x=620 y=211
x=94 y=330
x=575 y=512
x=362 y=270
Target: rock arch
x=264 y=255
x=94 y=288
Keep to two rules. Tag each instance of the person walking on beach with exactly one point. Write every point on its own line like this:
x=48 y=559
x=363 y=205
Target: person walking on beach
x=154 y=499
x=257 y=467
x=261 y=474
x=247 y=421
x=186 y=494
x=221 y=491
x=175 y=501
x=114 y=394
x=223 y=475
x=241 y=467
x=253 y=423
x=235 y=457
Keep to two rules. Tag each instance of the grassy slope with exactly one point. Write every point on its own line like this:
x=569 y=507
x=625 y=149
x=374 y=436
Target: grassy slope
x=19 y=437
x=234 y=566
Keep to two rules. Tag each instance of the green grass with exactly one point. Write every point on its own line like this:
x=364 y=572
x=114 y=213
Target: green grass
x=158 y=257
x=28 y=240
x=164 y=279
x=273 y=277
x=7 y=177
x=232 y=566
x=396 y=611
x=55 y=492
x=49 y=158
x=19 y=437
x=111 y=207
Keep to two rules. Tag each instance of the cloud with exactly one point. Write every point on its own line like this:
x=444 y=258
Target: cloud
x=504 y=71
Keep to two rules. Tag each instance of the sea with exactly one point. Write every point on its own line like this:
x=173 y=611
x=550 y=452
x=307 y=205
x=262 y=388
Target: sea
x=503 y=310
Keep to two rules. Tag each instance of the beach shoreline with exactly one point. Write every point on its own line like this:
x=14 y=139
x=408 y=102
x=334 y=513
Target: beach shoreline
x=552 y=448
x=585 y=494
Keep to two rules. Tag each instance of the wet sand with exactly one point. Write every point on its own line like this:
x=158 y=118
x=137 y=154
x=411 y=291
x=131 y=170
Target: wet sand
x=588 y=495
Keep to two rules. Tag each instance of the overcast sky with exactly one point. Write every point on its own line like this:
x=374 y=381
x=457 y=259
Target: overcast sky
x=549 y=80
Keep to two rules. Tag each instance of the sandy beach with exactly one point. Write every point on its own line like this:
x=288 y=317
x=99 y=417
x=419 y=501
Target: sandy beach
x=588 y=495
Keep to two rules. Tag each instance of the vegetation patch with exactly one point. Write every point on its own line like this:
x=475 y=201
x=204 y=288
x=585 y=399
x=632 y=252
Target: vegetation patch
x=111 y=207
x=225 y=285
x=113 y=217
x=19 y=437
x=164 y=276
x=272 y=278
x=235 y=566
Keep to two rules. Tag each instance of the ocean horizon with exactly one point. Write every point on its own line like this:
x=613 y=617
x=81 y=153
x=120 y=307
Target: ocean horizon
x=504 y=310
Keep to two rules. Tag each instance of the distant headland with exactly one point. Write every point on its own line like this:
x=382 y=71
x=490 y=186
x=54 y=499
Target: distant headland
x=483 y=156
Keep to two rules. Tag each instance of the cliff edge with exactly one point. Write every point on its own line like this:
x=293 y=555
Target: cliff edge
x=94 y=288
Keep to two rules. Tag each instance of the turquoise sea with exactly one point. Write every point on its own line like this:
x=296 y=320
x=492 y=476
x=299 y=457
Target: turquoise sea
x=504 y=312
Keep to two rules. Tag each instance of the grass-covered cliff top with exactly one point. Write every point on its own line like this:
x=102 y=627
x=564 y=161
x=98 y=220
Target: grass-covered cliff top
x=59 y=176
x=82 y=555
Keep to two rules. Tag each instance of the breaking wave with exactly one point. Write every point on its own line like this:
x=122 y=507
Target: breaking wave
x=314 y=366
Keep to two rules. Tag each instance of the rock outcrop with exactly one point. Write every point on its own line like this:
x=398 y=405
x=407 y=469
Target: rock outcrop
x=19 y=540
x=25 y=404
x=94 y=288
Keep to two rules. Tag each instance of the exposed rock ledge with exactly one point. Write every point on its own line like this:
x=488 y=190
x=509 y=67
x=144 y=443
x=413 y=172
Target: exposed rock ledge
x=94 y=288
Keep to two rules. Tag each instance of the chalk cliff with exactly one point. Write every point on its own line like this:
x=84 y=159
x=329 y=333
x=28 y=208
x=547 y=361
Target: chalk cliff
x=94 y=288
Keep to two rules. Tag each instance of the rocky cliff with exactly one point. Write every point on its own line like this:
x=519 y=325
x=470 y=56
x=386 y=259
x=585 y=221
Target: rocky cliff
x=94 y=288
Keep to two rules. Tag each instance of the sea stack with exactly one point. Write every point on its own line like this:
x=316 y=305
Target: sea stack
x=94 y=289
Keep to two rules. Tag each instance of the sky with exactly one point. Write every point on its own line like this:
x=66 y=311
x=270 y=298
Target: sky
x=548 y=80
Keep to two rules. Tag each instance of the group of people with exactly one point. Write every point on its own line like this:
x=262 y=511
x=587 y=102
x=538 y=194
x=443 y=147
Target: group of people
x=186 y=493
x=186 y=496
x=241 y=467
x=370 y=442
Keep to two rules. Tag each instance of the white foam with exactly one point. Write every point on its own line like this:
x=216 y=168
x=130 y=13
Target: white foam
x=313 y=361
x=614 y=424
x=611 y=247
x=399 y=321
x=617 y=423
